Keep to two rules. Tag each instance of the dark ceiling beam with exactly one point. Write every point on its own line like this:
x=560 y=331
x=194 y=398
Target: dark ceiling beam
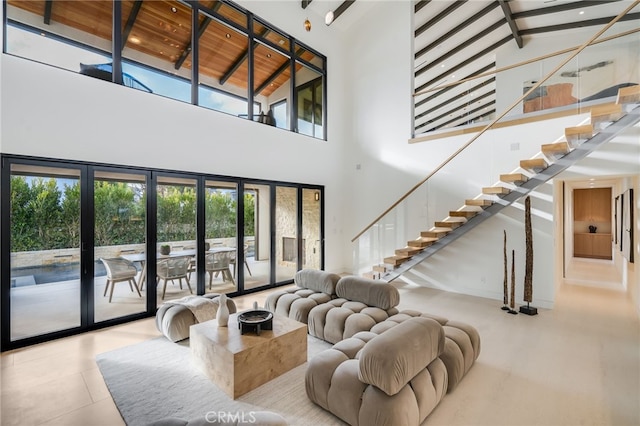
x=457 y=29
x=48 y=6
x=306 y=3
x=455 y=98
x=580 y=24
x=240 y=59
x=203 y=27
x=461 y=107
x=460 y=47
x=559 y=8
x=341 y=9
x=419 y=5
x=506 y=9
x=448 y=88
x=131 y=20
x=424 y=27
x=277 y=72
x=471 y=59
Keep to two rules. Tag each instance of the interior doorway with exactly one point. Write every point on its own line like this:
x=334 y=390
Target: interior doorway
x=587 y=227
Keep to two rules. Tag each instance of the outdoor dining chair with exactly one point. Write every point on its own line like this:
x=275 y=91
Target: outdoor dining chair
x=119 y=269
x=173 y=268
x=219 y=262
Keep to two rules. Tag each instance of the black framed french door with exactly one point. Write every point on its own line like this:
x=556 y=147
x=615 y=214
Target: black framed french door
x=61 y=222
x=83 y=245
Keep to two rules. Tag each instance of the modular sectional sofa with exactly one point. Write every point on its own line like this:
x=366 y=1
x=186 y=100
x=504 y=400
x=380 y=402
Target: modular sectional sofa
x=395 y=378
x=358 y=313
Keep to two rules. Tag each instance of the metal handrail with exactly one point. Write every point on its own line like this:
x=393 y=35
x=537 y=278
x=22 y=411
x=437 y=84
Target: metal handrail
x=500 y=116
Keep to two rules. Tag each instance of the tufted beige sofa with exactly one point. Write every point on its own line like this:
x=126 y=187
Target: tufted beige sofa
x=393 y=378
x=313 y=287
x=361 y=303
x=461 y=346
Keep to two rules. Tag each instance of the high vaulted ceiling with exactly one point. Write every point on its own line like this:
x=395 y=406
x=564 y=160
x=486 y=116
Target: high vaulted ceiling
x=456 y=39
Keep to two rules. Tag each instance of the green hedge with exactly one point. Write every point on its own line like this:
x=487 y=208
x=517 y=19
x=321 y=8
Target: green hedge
x=46 y=217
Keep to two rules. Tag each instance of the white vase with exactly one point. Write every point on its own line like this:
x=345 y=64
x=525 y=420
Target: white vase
x=222 y=316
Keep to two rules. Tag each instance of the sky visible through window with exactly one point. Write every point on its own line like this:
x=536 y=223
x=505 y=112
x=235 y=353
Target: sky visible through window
x=47 y=50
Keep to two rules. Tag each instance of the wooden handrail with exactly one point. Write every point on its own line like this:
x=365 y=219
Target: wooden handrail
x=529 y=61
x=499 y=117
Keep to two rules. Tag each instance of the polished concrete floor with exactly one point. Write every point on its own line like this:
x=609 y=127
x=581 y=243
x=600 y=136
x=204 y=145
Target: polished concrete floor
x=578 y=364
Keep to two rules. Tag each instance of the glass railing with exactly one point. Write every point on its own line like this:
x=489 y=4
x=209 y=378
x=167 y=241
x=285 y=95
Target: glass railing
x=542 y=96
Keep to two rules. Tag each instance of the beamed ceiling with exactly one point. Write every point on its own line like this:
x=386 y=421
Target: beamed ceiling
x=161 y=31
x=458 y=39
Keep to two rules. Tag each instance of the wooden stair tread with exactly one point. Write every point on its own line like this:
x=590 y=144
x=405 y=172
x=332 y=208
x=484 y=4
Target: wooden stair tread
x=515 y=178
x=554 y=151
x=495 y=190
x=379 y=268
x=371 y=275
x=578 y=132
x=534 y=164
x=422 y=242
x=606 y=112
x=435 y=232
x=453 y=224
x=629 y=95
x=463 y=213
x=408 y=251
x=482 y=202
x=396 y=260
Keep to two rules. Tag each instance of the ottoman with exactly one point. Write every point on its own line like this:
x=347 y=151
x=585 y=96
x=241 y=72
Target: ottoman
x=174 y=317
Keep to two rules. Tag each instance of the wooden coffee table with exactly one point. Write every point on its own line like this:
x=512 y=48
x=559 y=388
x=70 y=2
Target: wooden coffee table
x=238 y=363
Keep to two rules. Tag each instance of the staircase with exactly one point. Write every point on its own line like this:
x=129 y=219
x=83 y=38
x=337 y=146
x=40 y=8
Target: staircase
x=606 y=122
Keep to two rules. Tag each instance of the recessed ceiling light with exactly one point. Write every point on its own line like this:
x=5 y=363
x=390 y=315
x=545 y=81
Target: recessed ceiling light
x=173 y=9
x=581 y=12
x=442 y=66
x=268 y=55
x=134 y=40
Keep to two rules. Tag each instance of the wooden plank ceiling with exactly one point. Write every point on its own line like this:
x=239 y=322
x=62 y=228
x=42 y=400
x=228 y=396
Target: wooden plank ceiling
x=161 y=30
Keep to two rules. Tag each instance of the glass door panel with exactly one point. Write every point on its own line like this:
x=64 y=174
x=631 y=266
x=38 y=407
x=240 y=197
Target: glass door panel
x=45 y=250
x=120 y=217
x=176 y=238
x=286 y=233
x=257 y=235
x=311 y=234
x=221 y=236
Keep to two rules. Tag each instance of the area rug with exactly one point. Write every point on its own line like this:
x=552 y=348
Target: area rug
x=155 y=379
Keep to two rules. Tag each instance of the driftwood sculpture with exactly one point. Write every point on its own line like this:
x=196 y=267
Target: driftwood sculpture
x=505 y=284
x=528 y=268
x=513 y=283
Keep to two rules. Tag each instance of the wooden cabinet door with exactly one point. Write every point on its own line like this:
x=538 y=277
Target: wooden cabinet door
x=582 y=245
x=601 y=246
x=600 y=204
x=592 y=205
x=581 y=205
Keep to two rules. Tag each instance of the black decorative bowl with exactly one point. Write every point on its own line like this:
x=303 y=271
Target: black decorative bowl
x=255 y=321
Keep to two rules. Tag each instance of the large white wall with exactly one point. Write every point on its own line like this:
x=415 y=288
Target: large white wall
x=48 y=112
x=365 y=165
x=379 y=55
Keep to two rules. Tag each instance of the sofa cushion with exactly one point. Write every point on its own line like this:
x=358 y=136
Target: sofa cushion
x=392 y=359
x=317 y=280
x=173 y=320
x=370 y=292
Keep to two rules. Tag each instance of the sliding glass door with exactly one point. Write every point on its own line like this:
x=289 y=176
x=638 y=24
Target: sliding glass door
x=45 y=258
x=120 y=218
x=88 y=245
